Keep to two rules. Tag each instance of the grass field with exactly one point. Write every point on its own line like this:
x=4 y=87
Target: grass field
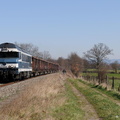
x=116 y=75
x=110 y=75
x=92 y=70
x=105 y=107
x=102 y=101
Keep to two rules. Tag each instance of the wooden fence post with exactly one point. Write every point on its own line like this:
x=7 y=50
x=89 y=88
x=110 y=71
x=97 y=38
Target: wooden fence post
x=99 y=79
x=113 y=83
x=106 y=81
x=119 y=88
x=93 y=80
x=96 y=79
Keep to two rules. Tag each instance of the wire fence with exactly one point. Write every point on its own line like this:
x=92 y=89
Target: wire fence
x=107 y=82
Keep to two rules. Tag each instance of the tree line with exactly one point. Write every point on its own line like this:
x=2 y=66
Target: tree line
x=34 y=50
x=93 y=59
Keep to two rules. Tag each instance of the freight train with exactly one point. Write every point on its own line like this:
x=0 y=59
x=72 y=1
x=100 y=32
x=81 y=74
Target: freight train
x=16 y=63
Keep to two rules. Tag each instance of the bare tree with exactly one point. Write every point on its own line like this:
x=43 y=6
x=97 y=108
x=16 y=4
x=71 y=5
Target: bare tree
x=103 y=70
x=46 y=55
x=61 y=62
x=86 y=64
x=97 y=54
x=64 y=63
x=76 y=64
x=31 y=49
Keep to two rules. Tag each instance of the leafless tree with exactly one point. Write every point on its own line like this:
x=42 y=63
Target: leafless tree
x=98 y=54
x=76 y=64
x=102 y=72
x=31 y=49
x=64 y=63
x=46 y=55
x=86 y=64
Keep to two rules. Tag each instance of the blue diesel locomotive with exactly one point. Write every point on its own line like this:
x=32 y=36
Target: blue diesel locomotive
x=15 y=63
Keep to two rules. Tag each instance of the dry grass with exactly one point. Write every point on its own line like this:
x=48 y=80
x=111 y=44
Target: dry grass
x=37 y=101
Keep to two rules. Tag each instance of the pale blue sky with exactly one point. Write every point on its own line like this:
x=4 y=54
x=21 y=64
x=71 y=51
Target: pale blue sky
x=61 y=26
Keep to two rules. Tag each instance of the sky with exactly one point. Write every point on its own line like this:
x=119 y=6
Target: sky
x=62 y=26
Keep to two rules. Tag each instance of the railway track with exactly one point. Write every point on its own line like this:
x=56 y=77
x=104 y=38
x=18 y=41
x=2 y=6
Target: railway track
x=10 y=83
x=5 y=84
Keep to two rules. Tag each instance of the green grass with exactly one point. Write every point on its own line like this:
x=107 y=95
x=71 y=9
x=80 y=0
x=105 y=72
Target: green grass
x=91 y=70
x=106 y=109
x=116 y=83
x=90 y=74
x=116 y=75
x=71 y=109
x=110 y=75
x=109 y=93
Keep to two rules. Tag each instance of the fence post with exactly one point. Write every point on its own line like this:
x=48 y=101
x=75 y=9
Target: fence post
x=106 y=81
x=99 y=79
x=119 y=88
x=89 y=78
x=113 y=85
x=96 y=79
x=93 y=80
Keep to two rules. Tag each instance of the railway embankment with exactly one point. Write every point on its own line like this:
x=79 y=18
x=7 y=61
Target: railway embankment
x=31 y=98
x=13 y=89
x=55 y=97
x=9 y=91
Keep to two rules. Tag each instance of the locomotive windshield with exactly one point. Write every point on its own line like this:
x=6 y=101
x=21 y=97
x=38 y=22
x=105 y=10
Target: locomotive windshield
x=9 y=54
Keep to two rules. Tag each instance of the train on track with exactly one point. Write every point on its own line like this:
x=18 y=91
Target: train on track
x=15 y=63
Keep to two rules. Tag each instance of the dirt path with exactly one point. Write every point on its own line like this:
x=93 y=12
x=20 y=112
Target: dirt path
x=90 y=113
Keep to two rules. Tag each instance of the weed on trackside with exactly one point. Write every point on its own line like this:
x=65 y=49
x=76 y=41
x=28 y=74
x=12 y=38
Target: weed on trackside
x=36 y=102
x=106 y=109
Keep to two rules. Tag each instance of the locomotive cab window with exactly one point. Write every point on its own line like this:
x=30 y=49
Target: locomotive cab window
x=20 y=55
x=9 y=54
